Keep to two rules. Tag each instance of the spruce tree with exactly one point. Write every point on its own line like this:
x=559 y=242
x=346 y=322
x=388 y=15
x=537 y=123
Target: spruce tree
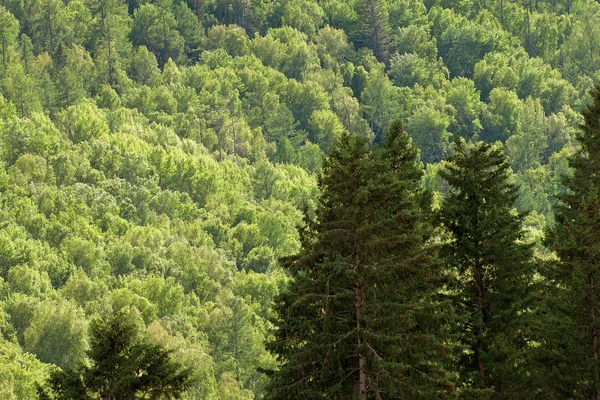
x=374 y=31
x=492 y=268
x=576 y=240
x=123 y=365
x=358 y=320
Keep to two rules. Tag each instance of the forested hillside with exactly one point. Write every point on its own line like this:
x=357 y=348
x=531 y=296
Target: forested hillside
x=157 y=157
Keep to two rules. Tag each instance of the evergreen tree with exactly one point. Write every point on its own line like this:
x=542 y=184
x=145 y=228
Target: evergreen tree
x=375 y=32
x=492 y=267
x=576 y=240
x=123 y=366
x=358 y=320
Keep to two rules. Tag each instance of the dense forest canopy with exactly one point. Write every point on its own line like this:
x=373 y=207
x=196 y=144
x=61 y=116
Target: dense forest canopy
x=157 y=157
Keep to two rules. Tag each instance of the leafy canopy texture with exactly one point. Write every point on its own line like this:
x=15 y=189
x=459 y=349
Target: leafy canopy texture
x=576 y=240
x=491 y=268
x=123 y=365
x=359 y=319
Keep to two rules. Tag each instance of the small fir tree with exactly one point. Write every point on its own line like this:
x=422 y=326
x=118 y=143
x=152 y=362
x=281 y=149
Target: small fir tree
x=123 y=365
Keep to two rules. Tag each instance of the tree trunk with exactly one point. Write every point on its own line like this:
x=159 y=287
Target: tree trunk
x=50 y=34
x=199 y=10
x=529 y=45
x=594 y=338
x=109 y=61
x=362 y=374
x=201 y=128
x=233 y=129
x=236 y=346
x=479 y=351
x=3 y=51
x=165 y=56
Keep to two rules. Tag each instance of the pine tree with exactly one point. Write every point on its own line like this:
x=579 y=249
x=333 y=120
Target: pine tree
x=576 y=240
x=358 y=320
x=492 y=267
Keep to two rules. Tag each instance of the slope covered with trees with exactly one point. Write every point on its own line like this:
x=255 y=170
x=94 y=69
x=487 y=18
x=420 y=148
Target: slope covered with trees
x=156 y=156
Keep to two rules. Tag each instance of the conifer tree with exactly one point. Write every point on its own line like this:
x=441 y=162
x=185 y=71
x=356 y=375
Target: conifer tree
x=358 y=320
x=576 y=240
x=492 y=267
x=375 y=32
x=124 y=365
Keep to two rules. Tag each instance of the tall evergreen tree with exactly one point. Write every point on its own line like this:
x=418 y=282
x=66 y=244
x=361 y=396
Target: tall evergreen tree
x=576 y=240
x=358 y=320
x=492 y=267
x=375 y=32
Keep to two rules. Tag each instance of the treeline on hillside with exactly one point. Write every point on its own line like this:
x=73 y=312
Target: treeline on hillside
x=156 y=156
x=282 y=79
x=390 y=300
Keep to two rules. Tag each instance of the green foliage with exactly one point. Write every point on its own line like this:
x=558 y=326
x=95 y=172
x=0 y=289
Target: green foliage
x=574 y=241
x=21 y=372
x=123 y=365
x=57 y=333
x=155 y=27
x=8 y=33
x=491 y=267
x=155 y=154
x=429 y=129
x=339 y=320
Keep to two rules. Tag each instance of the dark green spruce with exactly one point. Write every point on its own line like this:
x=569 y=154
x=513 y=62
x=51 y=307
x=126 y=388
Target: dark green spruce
x=576 y=240
x=123 y=366
x=492 y=269
x=358 y=320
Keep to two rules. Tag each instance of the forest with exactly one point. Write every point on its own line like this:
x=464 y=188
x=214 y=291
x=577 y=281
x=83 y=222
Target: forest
x=299 y=199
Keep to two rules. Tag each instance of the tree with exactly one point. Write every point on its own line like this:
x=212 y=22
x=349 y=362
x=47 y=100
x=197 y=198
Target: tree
x=465 y=99
x=124 y=365
x=77 y=71
x=20 y=372
x=9 y=29
x=500 y=119
x=429 y=129
x=251 y=15
x=491 y=264
x=526 y=148
x=144 y=67
x=462 y=42
x=56 y=333
x=19 y=88
x=189 y=28
x=305 y=16
x=581 y=49
x=155 y=27
x=381 y=101
x=409 y=69
x=375 y=32
x=48 y=24
x=575 y=240
x=236 y=335
x=357 y=320
x=109 y=34
x=231 y=38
